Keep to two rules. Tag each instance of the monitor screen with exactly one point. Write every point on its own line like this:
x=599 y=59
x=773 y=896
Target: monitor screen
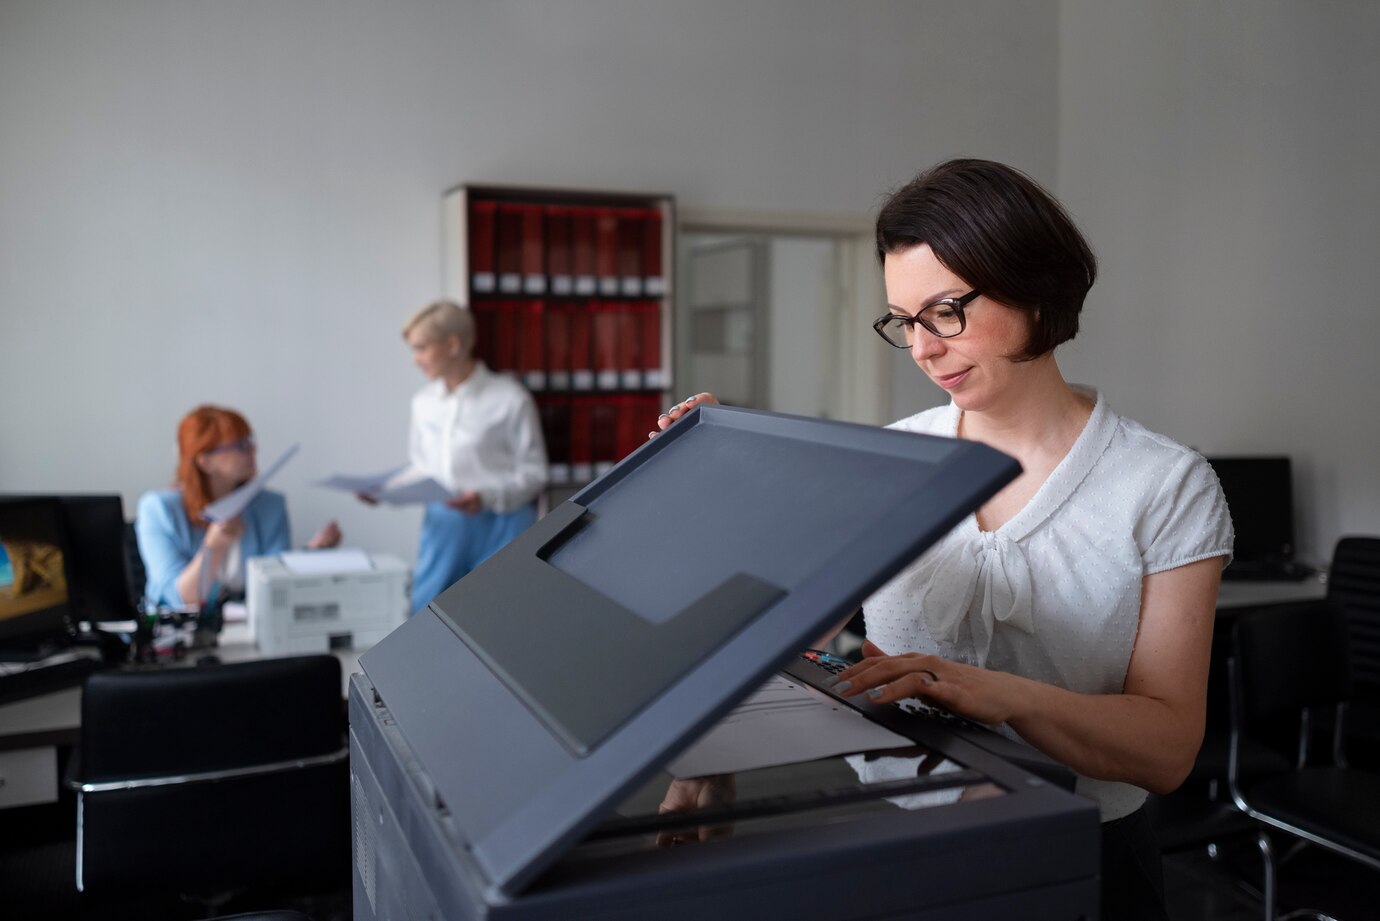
x=96 y=537
x=1260 y=495
x=35 y=600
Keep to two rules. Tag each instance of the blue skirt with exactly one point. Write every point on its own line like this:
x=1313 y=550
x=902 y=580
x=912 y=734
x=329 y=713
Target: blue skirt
x=453 y=543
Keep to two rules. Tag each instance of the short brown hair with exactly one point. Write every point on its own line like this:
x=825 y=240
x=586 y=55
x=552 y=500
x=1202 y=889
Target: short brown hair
x=1001 y=232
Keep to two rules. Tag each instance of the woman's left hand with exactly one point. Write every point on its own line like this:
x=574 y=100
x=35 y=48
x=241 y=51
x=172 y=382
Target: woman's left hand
x=468 y=502
x=975 y=693
x=328 y=536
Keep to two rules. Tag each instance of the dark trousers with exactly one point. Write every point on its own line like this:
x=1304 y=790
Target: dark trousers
x=1132 y=877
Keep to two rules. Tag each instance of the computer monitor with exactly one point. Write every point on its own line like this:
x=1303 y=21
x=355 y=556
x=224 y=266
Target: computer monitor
x=35 y=599
x=100 y=576
x=1260 y=495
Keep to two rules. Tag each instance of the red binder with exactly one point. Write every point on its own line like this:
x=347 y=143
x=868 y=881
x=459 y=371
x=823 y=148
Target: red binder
x=604 y=319
x=508 y=250
x=603 y=433
x=531 y=345
x=653 y=274
x=555 y=429
x=630 y=343
x=630 y=222
x=582 y=438
x=606 y=250
x=482 y=216
x=582 y=250
x=533 y=249
x=485 y=329
x=581 y=346
x=649 y=331
x=506 y=331
x=558 y=317
x=560 y=265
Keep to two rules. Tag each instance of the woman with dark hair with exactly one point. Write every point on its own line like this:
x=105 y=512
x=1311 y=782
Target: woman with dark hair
x=188 y=560
x=1075 y=608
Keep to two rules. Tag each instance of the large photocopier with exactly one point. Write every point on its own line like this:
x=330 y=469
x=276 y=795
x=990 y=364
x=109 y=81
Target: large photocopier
x=509 y=745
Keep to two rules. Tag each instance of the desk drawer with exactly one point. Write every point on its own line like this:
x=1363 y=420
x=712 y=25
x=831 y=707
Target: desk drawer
x=28 y=776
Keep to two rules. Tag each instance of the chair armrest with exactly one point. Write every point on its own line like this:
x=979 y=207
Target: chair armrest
x=136 y=783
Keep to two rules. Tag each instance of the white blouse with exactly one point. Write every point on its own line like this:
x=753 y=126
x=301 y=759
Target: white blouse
x=484 y=435
x=1054 y=594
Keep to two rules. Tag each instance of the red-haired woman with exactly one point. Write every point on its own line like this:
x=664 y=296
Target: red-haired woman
x=188 y=560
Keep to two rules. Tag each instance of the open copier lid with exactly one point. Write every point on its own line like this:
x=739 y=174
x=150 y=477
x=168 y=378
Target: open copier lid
x=547 y=684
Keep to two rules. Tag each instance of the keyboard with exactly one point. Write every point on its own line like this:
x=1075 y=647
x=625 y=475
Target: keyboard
x=45 y=679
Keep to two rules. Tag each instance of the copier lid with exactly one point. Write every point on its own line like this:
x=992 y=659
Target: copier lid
x=544 y=686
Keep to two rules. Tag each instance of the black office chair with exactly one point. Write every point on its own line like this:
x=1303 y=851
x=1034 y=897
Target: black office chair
x=1288 y=663
x=1353 y=586
x=208 y=782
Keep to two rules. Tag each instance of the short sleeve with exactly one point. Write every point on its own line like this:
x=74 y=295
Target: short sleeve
x=1188 y=520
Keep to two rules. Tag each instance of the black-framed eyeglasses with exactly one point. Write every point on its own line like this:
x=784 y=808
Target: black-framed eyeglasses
x=944 y=318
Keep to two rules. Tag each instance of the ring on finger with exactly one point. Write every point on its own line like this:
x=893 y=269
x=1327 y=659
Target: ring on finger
x=926 y=671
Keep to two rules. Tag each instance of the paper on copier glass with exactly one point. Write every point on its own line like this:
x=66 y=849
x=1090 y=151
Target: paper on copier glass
x=230 y=505
x=782 y=723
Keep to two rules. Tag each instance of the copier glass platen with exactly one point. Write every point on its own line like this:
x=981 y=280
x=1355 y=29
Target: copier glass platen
x=508 y=744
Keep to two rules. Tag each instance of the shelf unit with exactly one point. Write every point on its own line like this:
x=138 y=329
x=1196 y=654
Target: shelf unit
x=572 y=294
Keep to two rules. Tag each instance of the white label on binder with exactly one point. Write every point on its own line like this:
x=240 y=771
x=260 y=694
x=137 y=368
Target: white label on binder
x=562 y=284
x=535 y=380
x=510 y=283
x=584 y=285
x=608 y=287
x=602 y=467
x=608 y=380
x=558 y=474
x=582 y=380
x=560 y=380
x=656 y=379
x=632 y=380
x=482 y=281
x=632 y=286
x=654 y=287
x=534 y=284
x=581 y=473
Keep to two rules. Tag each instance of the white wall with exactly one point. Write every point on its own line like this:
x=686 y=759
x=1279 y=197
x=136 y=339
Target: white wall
x=1221 y=158
x=239 y=202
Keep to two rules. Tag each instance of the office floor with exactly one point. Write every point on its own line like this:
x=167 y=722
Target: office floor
x=38 y=865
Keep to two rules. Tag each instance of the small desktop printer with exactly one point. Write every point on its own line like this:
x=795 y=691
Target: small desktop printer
x=304 y=610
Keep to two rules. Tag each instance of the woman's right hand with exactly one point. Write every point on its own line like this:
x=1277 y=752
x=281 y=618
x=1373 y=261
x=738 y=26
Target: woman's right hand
x=664 y=421
x=221 y=535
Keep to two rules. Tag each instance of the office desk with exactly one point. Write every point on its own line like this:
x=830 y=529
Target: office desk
x=32 y=731
x=1233 y=596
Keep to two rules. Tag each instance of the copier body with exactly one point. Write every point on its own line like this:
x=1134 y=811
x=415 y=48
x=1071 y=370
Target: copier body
x=505 y=741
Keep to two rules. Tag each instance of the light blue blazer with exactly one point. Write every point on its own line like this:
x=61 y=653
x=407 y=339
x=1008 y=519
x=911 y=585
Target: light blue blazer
x=168 y=540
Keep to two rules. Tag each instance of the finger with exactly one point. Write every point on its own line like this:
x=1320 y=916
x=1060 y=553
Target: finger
x=873 y=673
x=871 y=650
x=916 y=684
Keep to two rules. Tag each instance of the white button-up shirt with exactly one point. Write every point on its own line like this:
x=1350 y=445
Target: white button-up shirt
x=484 y=435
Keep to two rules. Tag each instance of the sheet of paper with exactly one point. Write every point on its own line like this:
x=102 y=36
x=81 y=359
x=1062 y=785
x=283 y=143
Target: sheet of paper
x=326 y=562
x=399 y=486
x=367 y=484
x=409 y=491
x=782 y=723
x=228 y=506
